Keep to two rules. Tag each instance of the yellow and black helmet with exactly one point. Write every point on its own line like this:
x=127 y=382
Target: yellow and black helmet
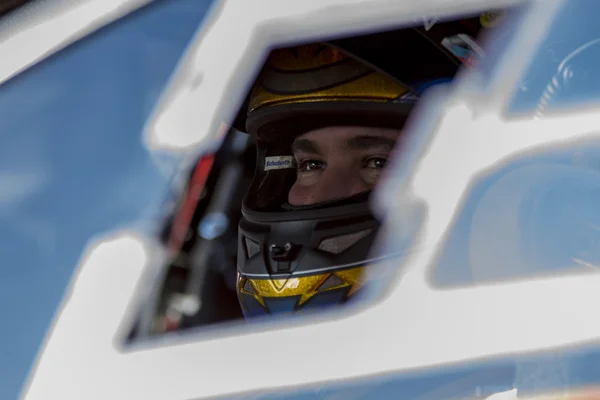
x=359 y=77
x=291 y=258
x=305 y=87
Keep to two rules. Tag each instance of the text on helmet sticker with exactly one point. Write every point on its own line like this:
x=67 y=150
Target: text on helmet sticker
x=279 y=162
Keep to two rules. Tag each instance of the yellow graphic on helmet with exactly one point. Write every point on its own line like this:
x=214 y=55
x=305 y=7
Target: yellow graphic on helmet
x=490 y=19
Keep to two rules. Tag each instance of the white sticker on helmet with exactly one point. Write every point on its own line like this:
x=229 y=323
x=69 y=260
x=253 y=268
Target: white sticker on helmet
x=279 y=162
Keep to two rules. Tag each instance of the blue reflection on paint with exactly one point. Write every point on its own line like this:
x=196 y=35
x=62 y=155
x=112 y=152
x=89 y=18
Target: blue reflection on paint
x=72 y=163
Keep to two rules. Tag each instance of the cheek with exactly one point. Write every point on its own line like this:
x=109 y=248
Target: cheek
x=298 y=195
x=370 y=177
x=305 y=183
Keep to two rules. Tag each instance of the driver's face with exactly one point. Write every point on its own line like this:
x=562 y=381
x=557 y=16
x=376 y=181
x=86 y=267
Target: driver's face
x=338 y=162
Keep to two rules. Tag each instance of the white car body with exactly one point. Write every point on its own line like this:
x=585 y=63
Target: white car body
x=83 y=356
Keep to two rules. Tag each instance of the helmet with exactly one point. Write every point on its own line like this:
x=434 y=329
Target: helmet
x=299 y=255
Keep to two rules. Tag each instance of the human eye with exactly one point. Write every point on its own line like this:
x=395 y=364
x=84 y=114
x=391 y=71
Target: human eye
x=310 y=165
x=375 y=162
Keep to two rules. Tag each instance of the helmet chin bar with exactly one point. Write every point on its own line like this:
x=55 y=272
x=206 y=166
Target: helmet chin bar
x=357 y=198
x=276 y=245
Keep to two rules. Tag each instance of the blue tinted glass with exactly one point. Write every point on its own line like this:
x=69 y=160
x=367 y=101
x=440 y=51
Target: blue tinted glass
x=72 y=163
x=497 y=41
x=564 y=71
x=534 y=216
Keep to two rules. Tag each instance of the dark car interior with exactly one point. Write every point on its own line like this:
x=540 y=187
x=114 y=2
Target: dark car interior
x=7 y=6
x=200 y=235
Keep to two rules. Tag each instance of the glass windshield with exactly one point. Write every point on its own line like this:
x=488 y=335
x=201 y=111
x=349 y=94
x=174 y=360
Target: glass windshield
x=72 y=163
x=564 y=70
x=534 y=216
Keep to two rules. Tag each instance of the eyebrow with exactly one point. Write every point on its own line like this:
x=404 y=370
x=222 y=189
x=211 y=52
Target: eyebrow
x=366 y=142
x=363 y=142
x=305 y=146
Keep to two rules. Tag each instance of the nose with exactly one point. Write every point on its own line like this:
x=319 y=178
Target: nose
x=336 y=184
